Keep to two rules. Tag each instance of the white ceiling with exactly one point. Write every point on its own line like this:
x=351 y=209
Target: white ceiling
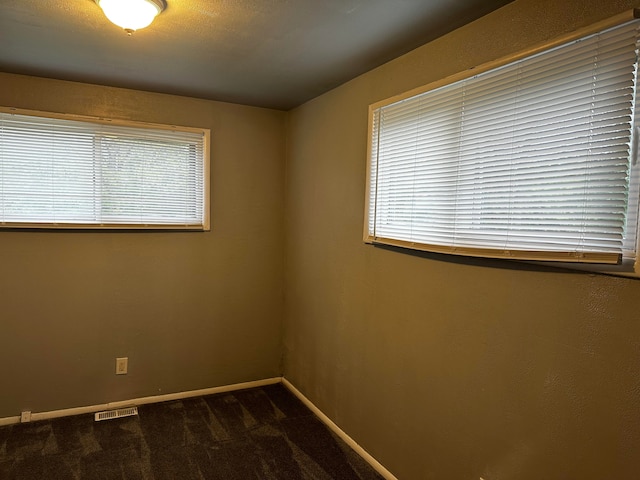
x=271 y=53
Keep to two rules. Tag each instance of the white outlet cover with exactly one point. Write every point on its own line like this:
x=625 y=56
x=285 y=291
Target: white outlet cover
x=122 y=365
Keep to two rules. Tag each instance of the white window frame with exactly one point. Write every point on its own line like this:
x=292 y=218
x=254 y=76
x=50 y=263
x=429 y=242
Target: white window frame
x=202 y=224
x=626 y=266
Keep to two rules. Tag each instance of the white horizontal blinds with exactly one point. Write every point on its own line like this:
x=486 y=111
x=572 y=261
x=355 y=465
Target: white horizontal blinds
x=39 y=161
x=373 y=171
x=59 y=171
x=150 y=178
x=417 y=166
x=527 y=158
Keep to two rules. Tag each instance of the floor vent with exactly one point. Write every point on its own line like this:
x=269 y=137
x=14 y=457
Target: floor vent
x=119 y=413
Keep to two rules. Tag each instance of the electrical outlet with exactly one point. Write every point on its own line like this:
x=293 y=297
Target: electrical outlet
x=122 y=365
x=25 y=416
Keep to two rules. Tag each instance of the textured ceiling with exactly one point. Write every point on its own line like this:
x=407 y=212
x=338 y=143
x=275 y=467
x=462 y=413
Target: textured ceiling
x=271 y=53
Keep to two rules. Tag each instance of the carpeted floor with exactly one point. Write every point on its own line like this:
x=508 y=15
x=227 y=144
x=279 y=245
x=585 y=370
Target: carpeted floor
x=259 y=433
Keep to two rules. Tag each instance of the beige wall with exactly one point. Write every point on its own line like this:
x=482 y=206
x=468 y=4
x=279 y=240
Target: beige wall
x=190 y=310
x=444 y=368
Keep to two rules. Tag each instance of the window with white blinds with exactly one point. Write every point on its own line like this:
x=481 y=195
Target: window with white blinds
x=533 y=160
x=59 y=171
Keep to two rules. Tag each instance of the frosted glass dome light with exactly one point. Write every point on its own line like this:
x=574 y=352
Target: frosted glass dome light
x=131 y=15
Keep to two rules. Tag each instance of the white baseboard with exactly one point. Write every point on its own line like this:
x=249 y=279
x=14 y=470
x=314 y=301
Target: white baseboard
x=9 y=421
x=377 y=466
x=141 y=401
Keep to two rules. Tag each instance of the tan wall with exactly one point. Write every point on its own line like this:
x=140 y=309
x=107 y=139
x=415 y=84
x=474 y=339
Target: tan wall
x=190 y=310
x=439 y=367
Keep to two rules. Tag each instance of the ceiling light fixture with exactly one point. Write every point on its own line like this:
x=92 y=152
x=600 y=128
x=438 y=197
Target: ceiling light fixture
x=131 y=15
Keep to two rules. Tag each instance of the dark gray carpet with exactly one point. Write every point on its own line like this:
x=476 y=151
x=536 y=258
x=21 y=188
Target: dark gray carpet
x=259 y=433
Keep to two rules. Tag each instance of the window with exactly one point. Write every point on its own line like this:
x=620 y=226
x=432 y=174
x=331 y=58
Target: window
x=532 y=160
x=60 y=171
